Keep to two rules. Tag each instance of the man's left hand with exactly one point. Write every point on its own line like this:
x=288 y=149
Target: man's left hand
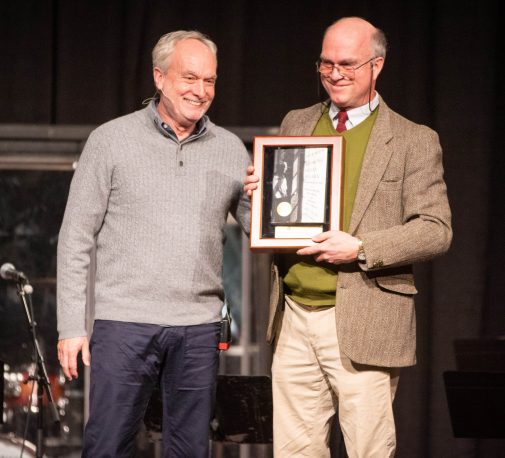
x=335 y=247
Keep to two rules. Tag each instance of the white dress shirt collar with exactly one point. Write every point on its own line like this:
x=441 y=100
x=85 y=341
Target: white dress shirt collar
x=354 y=115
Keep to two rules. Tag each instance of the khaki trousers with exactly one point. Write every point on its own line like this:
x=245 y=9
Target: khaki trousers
x=312 y=380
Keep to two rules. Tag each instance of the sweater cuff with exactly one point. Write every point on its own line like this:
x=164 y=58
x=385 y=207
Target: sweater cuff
x=70 y=333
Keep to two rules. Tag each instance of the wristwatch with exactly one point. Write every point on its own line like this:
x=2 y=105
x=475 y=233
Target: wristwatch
x=361 y=251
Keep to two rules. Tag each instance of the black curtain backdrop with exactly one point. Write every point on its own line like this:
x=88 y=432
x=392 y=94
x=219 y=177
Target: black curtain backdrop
x=71 y=62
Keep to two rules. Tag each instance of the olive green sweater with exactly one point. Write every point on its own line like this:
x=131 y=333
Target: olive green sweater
x=314 y=283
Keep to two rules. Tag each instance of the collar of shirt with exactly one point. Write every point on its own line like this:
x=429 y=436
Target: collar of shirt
x=167 y=131
x=355 y=115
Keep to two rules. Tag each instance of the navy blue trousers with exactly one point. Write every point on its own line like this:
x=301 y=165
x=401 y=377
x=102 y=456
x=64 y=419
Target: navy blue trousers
x=127 y=361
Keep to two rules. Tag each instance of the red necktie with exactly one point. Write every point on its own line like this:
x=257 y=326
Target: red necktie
x=342 y=118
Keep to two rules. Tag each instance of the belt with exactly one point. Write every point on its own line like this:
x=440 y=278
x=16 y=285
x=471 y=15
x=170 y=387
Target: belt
x=312 y=308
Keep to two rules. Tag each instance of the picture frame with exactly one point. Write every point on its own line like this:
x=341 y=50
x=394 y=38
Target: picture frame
x=299 y=193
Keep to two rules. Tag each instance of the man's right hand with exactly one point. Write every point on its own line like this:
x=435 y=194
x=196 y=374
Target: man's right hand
x=250 y=181
x=68 y=349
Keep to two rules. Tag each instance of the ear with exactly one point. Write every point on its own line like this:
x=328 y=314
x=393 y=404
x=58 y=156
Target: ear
x=158 y=77
x=377 y=65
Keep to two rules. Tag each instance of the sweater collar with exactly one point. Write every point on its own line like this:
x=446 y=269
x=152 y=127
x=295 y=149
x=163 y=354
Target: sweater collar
x=200 y=129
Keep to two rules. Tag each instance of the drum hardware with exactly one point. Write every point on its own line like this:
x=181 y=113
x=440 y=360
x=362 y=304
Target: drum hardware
x=11 y=446
x=18 y=388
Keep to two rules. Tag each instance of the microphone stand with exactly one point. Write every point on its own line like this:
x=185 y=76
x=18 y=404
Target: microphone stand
x=40 y=376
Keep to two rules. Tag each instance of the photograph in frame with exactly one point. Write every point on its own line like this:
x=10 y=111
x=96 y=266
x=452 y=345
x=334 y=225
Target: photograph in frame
x=299 y=193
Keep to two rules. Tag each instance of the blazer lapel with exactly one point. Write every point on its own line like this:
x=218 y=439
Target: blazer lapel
x=374 y=165
x=303 y=125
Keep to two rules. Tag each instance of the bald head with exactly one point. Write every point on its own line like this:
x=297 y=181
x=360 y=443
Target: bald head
x=362 y=31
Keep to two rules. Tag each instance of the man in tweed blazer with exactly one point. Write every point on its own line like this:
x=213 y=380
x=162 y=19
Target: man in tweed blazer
x=344 y=355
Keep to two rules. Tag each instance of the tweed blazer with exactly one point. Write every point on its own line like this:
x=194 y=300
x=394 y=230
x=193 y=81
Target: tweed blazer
x=402 y=214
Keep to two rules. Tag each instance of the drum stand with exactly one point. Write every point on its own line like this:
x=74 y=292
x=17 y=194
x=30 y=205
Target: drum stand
x=40 y=376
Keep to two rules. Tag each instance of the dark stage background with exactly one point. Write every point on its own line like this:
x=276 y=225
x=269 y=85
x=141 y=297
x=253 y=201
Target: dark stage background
x=70 y=62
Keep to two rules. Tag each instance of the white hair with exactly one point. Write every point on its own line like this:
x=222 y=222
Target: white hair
x=165 y=46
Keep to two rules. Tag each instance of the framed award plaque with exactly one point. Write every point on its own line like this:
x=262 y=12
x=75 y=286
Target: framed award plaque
x=299 y=193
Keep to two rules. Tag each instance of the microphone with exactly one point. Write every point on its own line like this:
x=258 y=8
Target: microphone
x=9 y=272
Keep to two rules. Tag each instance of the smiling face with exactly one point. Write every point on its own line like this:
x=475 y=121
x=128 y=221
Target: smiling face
x=187 y=87
x=349 y=43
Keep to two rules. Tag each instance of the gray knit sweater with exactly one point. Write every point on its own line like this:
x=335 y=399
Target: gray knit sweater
x=156 y=209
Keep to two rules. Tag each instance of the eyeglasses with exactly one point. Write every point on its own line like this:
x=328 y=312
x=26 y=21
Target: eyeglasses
x=325 y=67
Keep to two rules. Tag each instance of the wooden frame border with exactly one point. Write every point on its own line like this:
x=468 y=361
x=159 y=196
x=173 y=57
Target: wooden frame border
x=260 y=243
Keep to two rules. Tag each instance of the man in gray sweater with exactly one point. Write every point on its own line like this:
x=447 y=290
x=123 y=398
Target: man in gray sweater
x=152 y=191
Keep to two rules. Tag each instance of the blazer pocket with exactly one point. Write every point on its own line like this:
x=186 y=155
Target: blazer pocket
x=390 y=185
x=397 y=284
